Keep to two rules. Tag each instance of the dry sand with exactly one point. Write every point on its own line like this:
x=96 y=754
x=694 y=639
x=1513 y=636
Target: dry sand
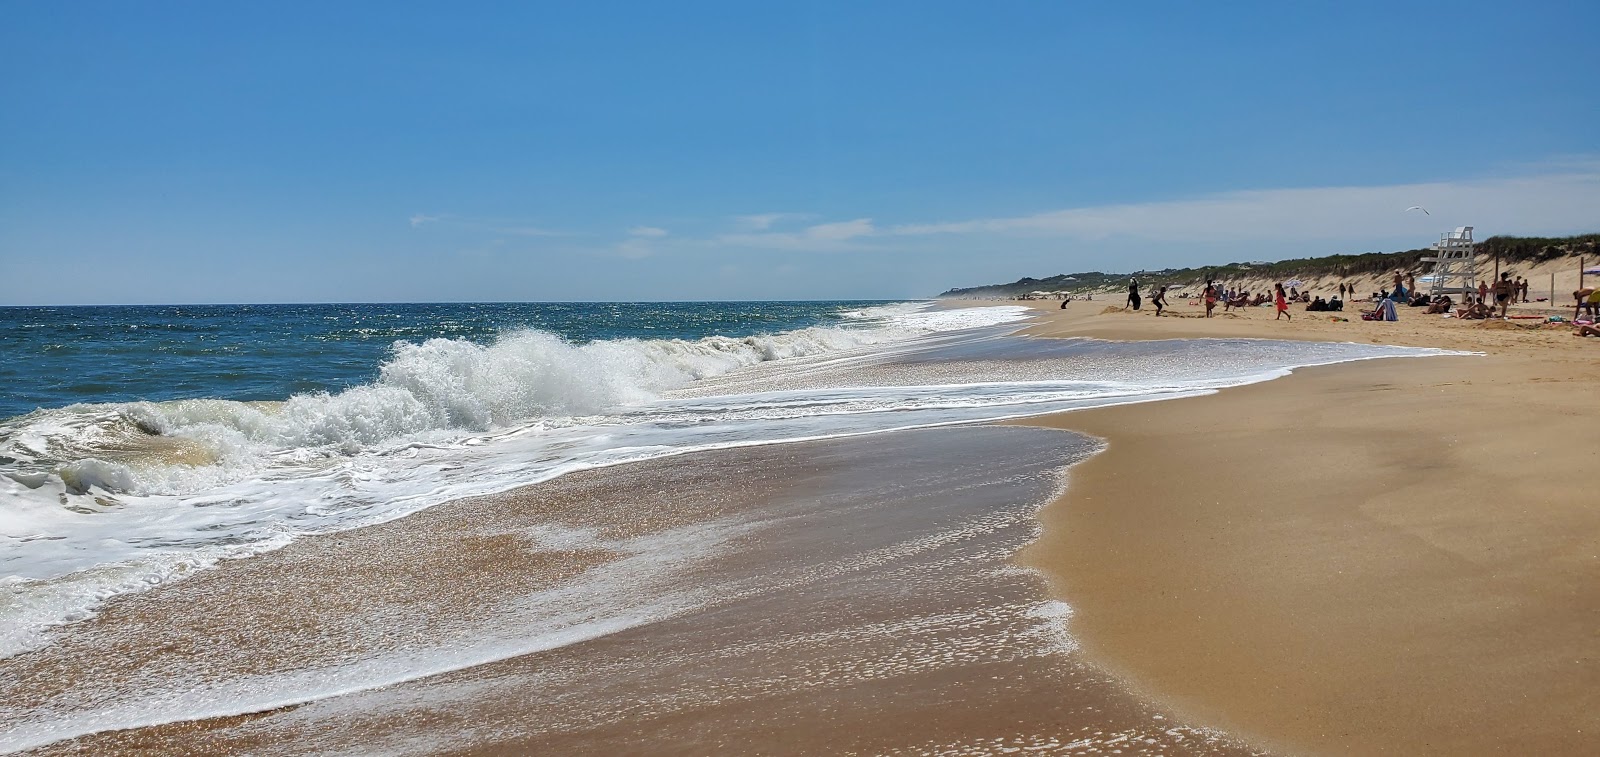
x=1395 y=556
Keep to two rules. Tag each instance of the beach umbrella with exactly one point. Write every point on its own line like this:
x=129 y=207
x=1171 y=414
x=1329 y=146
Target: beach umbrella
x=1595 y=271
x=1296 y=283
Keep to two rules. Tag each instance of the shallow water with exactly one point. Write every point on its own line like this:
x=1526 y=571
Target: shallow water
x=846 y=595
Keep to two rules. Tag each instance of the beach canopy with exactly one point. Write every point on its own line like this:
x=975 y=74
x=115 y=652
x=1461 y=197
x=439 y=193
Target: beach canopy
x=1595 y=271
x=1296 y=283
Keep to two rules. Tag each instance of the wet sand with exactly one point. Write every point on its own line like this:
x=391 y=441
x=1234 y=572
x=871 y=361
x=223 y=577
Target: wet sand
x=1388 y=557
x=849 y=596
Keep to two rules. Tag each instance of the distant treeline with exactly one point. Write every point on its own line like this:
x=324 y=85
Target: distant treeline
x=1510 y=249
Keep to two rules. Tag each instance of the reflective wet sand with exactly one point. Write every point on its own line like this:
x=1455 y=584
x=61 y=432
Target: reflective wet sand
x=851 y=596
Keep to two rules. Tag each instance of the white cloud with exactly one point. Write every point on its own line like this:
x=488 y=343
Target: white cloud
x=764 y=221
x=647 y=231
x=485 y=225
x=636 y=248
x=1564 y=201
x=842 y=230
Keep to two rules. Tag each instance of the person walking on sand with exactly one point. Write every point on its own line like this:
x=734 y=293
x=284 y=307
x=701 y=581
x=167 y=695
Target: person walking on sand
x=1159 y=299
x=1282 y=304
x=1133 y=293
x=1210 y=297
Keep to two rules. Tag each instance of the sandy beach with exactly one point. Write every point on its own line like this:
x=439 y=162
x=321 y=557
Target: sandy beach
x=1392 y=556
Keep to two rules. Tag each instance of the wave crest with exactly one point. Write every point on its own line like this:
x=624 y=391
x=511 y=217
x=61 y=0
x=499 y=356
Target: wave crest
x=428 y=391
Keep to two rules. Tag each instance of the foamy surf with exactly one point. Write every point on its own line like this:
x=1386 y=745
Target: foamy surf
x=102 y=500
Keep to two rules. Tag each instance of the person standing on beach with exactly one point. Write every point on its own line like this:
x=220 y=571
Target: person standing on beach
x=1502 y=293
x=1483 y=292
x=1211 y=297
x=1133 y=293
x=1159 y=299
x=1281 y=303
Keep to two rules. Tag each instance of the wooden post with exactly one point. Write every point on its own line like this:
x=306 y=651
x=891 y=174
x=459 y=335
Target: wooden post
x=1552 y=289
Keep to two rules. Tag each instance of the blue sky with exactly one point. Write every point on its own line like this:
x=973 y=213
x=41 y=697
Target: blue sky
x=197 y=152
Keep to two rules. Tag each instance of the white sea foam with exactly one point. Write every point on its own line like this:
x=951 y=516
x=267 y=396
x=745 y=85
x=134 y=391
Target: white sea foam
x=99 y=500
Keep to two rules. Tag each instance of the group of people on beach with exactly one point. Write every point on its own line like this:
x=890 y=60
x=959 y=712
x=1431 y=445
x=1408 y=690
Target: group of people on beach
x=1506 y=291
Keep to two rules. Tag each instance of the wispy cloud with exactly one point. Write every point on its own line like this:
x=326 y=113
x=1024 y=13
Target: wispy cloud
x=636 y=248
x=860 y=227
x=485 y=225
x=647 y=231
x=1565 y=200
x=839 y=236
x=765 y=221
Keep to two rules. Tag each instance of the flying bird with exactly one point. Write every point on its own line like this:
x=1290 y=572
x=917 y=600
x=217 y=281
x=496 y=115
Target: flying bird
x=1419 y=207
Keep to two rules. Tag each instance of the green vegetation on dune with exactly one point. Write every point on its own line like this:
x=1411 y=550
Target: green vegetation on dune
x=1509 y=249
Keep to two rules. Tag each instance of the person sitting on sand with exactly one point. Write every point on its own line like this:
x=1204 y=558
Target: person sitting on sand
x=1317 y=305
x=1336 y=305
x=1585 y=330
x=1476 y=311
x=1440 y=304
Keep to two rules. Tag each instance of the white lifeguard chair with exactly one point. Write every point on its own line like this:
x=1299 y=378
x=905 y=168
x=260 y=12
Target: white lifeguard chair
x=1455 y=268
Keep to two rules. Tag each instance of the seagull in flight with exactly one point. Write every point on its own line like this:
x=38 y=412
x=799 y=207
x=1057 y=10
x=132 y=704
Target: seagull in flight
x=1419 y=207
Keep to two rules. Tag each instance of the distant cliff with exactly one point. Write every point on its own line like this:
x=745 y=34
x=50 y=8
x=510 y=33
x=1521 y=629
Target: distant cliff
x=1510 y=250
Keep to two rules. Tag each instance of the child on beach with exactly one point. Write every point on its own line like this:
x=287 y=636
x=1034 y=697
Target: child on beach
x=1159 y=299
x=1281 y=303
x=1211 y=298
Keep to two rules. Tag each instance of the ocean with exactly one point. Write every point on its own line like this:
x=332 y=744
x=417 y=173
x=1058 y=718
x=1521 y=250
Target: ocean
x=209 y=511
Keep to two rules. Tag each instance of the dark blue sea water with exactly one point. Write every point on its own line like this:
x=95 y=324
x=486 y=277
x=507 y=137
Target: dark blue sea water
x=56 y=356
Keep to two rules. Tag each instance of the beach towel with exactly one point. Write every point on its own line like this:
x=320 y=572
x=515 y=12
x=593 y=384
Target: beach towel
x=1383 y=312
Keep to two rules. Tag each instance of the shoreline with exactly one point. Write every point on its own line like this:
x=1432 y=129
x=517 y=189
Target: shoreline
x=1397 y=556
x=857 y=599
x=1260 y=618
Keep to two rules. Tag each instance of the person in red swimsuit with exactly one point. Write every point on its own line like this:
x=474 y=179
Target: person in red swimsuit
x=1281 y=303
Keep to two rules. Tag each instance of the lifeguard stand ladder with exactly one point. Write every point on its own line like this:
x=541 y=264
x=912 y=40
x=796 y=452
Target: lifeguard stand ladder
x=1454 y=266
